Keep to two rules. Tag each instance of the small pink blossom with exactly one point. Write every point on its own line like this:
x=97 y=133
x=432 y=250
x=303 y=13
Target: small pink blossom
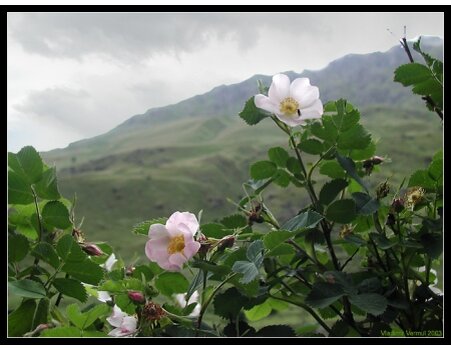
x=124 y=324
x=173 y=244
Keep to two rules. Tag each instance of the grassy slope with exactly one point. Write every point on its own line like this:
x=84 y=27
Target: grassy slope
x=197 y=163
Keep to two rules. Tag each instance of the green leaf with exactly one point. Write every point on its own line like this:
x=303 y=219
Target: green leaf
x=61 y=332
x=18 y=247
x=372 y=303
x=69 y=250
x=365 y=205
x=21 y=319
x=342 y=211
x=215 y=230
x=344 y=119
x=254 y=252
x=248 y=269
x=71 y=288
x=263 y=170
x=279 y=156
x=363 y=154
x=41 y=315
x=306 y=219
x=435 y=170
x=251 y=114
x=169 y=283
x=76 y=316
x=46 y=252
x=324 y=294
x=355 y=138
x=422 y=79
x=258 y=312
x=95 y=313
x=143 y=227
x=327 y=131
x=220 y=270
x=332 y=169
x=27 y=163
x=421 y=178
x=234 y=221
x=85 y=271
x=113 y=286
x=274 y=238
x=229 y=303
x=311 y=146
x=349 y=165
x=55 y=214
x=276 y=331
x=47 y=187
x=282 y=249
x=19 y=192
x=282 y=178
x=27 y=289
x=293 y=166
x=331 y=190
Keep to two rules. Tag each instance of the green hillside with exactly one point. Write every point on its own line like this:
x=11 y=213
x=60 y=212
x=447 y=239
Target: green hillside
x=195 y=154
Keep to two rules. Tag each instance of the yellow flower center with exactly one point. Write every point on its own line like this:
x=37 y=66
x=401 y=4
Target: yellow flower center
x=176 y=244
x=289 y=106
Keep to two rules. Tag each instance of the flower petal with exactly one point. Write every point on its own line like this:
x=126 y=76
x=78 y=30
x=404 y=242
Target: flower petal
x=158 y=231
x=116 y=332
x=310 y=96
x=293 y=120
x=177 y=259
x=182 y=223
x=103 y=296
x=314 y=111
x=191 y=248
x=279 y=89
x=263 y=102
x=116 y=317
x=108 y=265
x=157 y=249
x=129 y=324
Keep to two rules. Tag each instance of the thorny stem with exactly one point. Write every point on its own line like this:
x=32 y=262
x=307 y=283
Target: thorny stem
x=428 y=99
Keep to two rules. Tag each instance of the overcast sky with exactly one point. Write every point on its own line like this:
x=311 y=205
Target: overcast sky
x=77 y=75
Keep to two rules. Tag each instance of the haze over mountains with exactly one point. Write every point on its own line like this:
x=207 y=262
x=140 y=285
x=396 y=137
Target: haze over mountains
x=194 y=154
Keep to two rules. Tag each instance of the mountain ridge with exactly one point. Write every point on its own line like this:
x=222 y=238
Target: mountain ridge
x=229 y=99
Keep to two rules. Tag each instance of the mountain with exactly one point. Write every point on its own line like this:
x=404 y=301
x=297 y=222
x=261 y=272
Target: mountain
x=194 y=154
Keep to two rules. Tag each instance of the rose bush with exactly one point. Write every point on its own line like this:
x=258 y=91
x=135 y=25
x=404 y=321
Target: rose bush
x=355 y=261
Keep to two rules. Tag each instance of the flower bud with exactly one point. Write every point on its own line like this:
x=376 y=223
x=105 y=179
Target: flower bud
x=78 y=235
x=397 y=205
x=136 y=296
x=129 y=270
x=382 y=190
x=391 y=220
x=92 y=249
x=377 y=160
x=226 y=242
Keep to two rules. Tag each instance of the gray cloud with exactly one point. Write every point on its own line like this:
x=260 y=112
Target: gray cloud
x=62 y=106
x=129 y=36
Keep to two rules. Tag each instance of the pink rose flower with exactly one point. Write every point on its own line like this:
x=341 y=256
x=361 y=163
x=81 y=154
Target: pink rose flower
x=124 y=324
x=173 y=244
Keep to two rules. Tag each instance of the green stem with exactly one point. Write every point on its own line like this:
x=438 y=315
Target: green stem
x=35 y=198
x=210 y=298
x=60 y=295
x=306 y=308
